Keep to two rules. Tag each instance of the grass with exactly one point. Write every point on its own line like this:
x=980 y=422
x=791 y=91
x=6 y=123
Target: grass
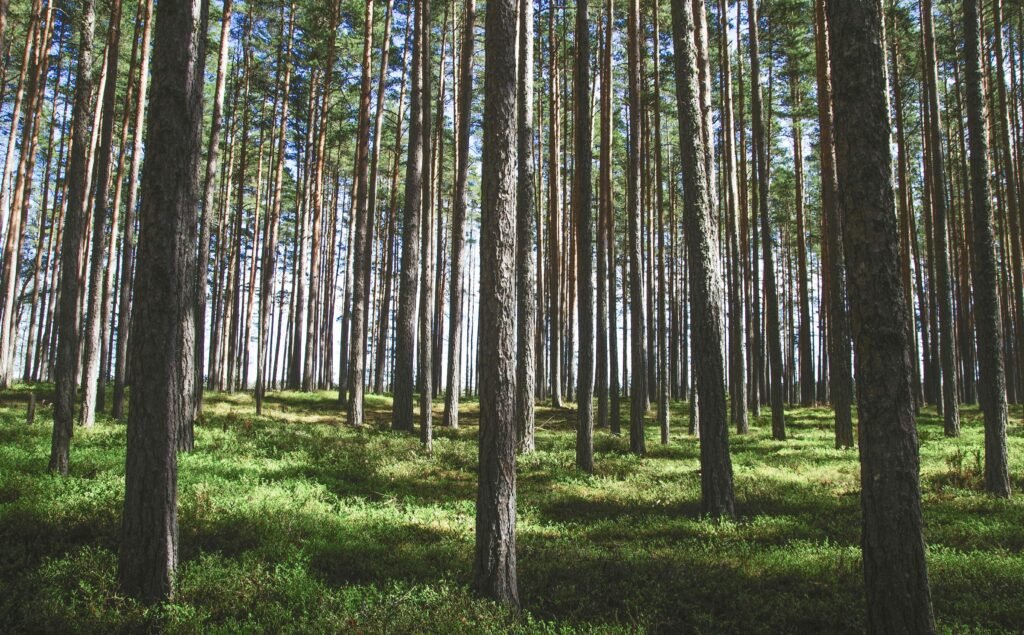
x=292 y=522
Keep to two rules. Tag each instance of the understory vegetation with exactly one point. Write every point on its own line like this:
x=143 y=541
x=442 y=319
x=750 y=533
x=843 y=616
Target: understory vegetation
x=295 y=522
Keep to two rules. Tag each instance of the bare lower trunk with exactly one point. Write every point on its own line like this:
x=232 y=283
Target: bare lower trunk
x=72 y=253
x=494 y=567
x=895 y=574
x=163 y=315
x=526 y=292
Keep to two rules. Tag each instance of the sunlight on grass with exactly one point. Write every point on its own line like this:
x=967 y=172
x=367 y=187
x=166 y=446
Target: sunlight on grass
x=295 y=522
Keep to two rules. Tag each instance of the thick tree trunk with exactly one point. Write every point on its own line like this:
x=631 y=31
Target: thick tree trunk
x=164 y=311
x=494 y=568
x=895 y=573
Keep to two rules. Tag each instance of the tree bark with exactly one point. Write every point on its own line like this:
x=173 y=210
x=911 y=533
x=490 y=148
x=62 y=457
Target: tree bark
x=128 y=241
x=707 y=299
x=895 y=573
x=585 y=240
x=638 y=388
x=268 y=266
x=72 y=252
x=163 y=315
x=360 y=259
x=494 y=568
x=992 y=377
x=405 y=336
x=772 y=327
x=101 y=209
x=526 y=292
x=950 y=396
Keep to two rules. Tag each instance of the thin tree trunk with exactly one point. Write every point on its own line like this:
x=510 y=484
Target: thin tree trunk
x=638 y=370
x=737 y=365
x=101 y=209
x=72 y=252
x=405 y=343
x=992 y=379
x=840 y=376
x=128 y=241
x=268 y=266
x=585 y=239
x=950 y=397
x=360 y=260
x=525 y=229
x=209 y=192
x=760 y=136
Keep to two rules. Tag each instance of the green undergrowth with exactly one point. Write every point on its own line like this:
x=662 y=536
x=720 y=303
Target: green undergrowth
x=293 y=522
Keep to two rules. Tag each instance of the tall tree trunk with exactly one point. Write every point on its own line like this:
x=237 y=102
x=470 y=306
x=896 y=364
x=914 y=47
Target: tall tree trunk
x=405 y=337
x=72 y=252
x=663 y=389
x=209 y=193
x=950 y=396
x=895 y=573
x=638 y=370
x=807 y=383
x=707 y=299
x=840 y=376
x=378 y=127
x=360 y=260
x=267 y=268
x=494 y=568
x=992 y=379
x=164 y=310
x=760 y=135
x=608 y=212
x=464 y=126
x=554 y=226
x=585 y=240
x=426 y=263
x=392 y=229
x=317 y=202
x=602 y=358
x=737 y=359
x=526 y=291
x=101 y=209
x=128 y=241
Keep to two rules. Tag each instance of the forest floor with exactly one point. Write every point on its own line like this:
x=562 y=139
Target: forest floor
x=293 y=522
